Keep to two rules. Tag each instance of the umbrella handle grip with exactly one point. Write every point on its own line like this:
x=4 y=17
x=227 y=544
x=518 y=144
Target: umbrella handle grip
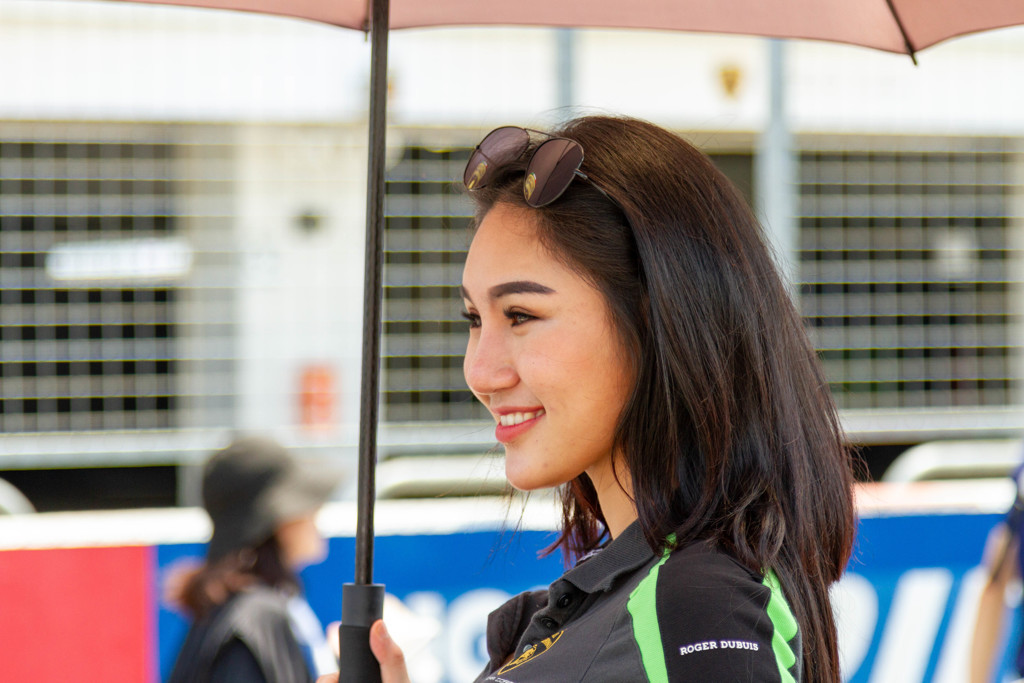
x=361 y=605
x=358 y=665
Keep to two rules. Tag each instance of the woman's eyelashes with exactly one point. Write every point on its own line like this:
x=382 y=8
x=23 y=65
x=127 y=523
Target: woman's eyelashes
x=516 y=317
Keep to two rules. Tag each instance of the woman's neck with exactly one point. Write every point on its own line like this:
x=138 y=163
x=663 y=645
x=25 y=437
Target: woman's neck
x=614 y=489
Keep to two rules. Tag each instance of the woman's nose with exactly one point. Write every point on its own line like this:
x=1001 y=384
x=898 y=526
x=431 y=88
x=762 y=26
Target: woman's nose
x=489 y=366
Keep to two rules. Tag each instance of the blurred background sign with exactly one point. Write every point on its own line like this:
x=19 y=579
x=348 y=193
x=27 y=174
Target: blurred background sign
x=905 y=608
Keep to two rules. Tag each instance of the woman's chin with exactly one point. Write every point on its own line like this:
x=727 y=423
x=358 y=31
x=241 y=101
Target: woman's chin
x=527 y=481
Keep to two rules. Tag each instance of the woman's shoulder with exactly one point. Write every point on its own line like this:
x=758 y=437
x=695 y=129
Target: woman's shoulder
x=704 y=581
x=251 y=625
x=715 y=619
x=259 y=599
x=701 y=578
x=703 y=563
x=713 y=614
x=259 y=620
x=254 y=616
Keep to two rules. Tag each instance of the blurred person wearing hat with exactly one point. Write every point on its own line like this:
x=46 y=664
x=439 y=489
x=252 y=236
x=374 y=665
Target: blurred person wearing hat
x=251 y=622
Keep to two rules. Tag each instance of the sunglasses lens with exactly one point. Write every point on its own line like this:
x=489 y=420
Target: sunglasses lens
x=498 y=148
x=551 y=171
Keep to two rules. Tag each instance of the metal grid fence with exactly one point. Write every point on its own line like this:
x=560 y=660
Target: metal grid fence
x=909 y=277
x=92 y=342
x=908 y=269
x=426 y=238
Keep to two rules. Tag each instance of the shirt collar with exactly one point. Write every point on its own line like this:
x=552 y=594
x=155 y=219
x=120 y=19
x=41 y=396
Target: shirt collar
x=624 y=555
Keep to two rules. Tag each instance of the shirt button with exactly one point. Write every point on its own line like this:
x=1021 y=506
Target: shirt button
x=564 y=601
x=548 y=622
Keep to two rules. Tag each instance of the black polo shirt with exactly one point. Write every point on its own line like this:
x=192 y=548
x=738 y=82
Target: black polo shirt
x=629 y=614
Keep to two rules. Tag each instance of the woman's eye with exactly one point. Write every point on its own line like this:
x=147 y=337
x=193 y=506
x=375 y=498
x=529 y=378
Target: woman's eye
x=473 y=318
x=518 y=317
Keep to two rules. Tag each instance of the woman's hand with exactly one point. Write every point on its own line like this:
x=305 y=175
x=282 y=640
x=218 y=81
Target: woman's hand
x=388 y=654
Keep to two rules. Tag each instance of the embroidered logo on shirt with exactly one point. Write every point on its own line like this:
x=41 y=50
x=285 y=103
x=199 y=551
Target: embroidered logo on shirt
x=718 y=645
x=532 y=652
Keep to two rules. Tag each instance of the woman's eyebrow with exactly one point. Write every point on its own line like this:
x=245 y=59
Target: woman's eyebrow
x=519 y=287
x=515 y=287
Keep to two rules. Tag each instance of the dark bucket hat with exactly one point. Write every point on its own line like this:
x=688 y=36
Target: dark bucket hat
x=254 y=485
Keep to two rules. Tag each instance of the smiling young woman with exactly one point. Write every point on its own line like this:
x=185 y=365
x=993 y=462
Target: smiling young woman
x=546 y=360
x=636 y=347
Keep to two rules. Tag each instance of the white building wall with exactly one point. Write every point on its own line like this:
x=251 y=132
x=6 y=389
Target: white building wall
x=300 y=290
x=85 y=60
x=119 y=61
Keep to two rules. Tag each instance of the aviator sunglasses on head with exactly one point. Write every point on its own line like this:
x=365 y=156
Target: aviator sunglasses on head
x=549 y=172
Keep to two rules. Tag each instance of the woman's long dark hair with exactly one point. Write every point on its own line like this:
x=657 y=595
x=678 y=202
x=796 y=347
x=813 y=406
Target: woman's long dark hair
x=730 y=434
x=202 y=589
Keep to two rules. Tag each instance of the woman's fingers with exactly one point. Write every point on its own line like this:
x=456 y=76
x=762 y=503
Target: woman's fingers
x=388 y=654
x=333 y=639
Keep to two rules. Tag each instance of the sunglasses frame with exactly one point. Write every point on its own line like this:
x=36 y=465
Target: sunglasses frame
x=483 y=164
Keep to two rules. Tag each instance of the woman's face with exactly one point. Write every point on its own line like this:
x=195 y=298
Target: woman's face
x=542 y=355
x=301 y=543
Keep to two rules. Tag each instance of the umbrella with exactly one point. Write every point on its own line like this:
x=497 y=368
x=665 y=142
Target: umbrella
x=893 y=25
x=902 y=26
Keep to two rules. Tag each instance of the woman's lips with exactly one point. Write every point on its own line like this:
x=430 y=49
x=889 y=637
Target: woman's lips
x=513 y=424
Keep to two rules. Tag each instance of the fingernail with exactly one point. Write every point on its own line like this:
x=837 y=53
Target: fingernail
x=384 y=631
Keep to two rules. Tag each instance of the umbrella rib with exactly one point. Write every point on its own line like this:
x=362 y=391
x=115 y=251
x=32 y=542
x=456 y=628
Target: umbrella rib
x=903 y=31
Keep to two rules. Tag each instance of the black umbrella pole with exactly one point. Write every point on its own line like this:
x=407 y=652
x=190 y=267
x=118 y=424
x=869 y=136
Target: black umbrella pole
x=362 y=602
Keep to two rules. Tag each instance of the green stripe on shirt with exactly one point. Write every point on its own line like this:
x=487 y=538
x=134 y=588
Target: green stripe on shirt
x=643 y=609
x=784 y=627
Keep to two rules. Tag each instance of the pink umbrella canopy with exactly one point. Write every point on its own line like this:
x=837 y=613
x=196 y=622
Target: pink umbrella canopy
x=893 y=25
